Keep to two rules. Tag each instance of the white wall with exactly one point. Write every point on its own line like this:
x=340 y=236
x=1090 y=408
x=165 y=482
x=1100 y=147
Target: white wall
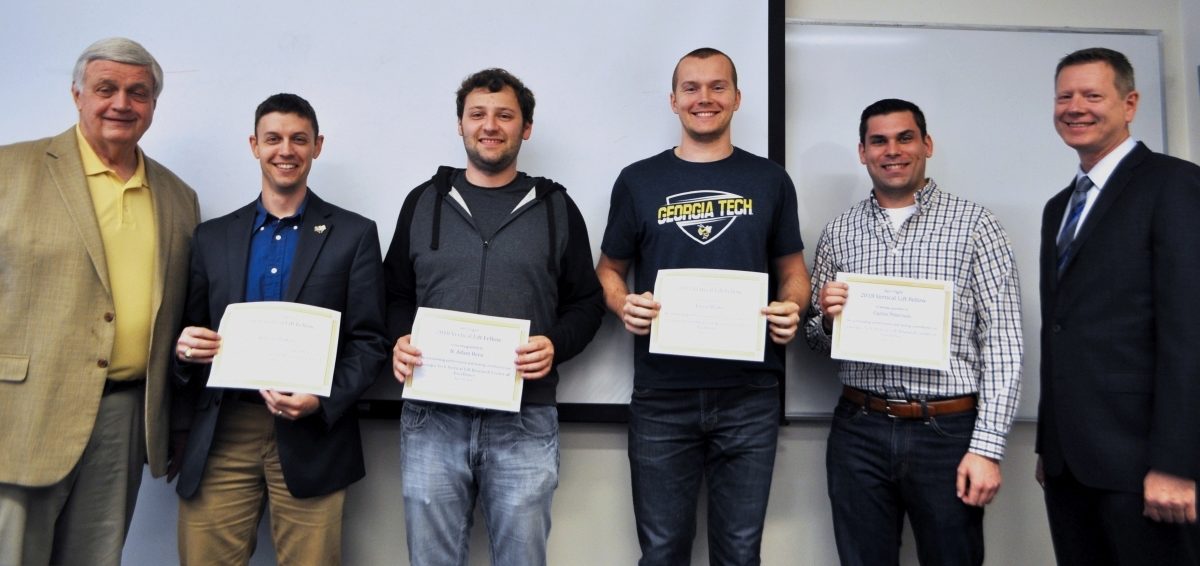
x=592 y=513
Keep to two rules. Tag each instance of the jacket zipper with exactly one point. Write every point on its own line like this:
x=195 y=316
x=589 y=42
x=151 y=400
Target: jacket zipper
x=482 y=276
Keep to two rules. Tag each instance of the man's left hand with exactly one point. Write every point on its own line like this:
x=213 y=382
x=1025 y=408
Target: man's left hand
x=291 y=406
x=535 y=358
x=1170 y=499
x=978 y=479
x=783 y=317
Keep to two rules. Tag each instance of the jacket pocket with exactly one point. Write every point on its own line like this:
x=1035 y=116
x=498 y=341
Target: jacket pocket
x=14 y=368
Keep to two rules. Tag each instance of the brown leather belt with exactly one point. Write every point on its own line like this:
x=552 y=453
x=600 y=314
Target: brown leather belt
x=909 y=409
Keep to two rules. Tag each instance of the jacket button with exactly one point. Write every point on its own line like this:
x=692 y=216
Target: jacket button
x=102 y=363
x=1056 y=328
x=108 y=317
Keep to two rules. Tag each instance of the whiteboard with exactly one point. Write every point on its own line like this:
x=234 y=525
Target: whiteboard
x=382 y=78
x=987 y=95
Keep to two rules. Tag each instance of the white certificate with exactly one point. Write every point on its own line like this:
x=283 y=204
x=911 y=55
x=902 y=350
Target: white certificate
x=710 y=313
x=467 y=359
x=277 y=345
x=895 y=321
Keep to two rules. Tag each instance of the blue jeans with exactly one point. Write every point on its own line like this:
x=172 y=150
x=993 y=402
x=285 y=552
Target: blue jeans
x=450 y=456
x=881 y=468
x=726 y=437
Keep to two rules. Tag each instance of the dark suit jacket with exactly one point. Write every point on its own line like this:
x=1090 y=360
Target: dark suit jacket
x=336 y=268
x=1121 y=329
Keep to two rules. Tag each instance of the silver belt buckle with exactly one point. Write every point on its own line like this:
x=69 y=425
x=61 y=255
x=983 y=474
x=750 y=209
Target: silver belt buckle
x=888 y=406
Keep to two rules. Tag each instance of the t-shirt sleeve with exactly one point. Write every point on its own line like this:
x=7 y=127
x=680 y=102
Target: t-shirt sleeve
x=786 y=239
x=620 y=234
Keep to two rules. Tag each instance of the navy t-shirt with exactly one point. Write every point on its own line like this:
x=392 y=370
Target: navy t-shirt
x=736 y=213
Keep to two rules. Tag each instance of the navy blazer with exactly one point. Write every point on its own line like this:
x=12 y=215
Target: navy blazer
x=338 y=267
x=1120 y=361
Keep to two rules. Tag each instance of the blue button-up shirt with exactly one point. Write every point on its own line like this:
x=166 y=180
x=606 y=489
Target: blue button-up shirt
x=272 y=247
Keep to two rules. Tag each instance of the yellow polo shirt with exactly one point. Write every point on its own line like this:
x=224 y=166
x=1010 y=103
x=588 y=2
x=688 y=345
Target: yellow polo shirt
x=125 y=211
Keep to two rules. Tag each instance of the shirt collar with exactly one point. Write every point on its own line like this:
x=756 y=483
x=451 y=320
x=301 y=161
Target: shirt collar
x=261 y=216
x=92 y=165
x=922 y=198
x=1103 y=169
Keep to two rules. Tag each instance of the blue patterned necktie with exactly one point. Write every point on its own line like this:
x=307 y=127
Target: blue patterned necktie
x=1075 y=206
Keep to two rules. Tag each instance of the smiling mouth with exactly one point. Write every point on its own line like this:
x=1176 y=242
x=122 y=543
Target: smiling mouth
x=705 y=114
x=894 y=166
x=286 y=166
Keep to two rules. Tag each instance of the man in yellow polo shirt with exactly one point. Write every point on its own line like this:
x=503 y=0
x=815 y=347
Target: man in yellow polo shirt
x=94 y=241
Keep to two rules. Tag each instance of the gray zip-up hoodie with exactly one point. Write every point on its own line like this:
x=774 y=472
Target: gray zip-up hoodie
x=537 y=266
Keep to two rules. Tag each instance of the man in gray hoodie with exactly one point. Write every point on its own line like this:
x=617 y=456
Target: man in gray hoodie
x=489 y=239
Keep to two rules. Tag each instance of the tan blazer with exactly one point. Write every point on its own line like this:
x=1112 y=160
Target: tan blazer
x=56 y=308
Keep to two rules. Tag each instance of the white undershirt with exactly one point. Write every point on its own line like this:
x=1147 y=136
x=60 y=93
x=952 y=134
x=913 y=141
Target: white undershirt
x=1099 y=175
x=899 y=215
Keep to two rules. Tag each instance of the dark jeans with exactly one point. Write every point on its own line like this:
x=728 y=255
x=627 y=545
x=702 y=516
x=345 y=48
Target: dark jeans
x=881 y=468
x=725 y=437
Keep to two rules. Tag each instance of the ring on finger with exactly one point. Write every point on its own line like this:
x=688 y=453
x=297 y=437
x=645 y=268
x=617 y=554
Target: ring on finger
x=187 y=353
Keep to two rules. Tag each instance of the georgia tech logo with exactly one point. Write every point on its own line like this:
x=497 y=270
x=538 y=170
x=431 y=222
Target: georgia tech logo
x=697 y=213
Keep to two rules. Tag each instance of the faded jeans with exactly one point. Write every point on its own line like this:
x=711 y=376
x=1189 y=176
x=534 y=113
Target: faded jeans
x=453 y=456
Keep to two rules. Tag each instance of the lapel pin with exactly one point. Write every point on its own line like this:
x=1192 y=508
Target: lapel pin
x=320 y=229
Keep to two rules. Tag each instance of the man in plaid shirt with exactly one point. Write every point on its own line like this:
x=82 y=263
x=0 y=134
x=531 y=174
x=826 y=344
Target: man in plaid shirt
x=904 y=440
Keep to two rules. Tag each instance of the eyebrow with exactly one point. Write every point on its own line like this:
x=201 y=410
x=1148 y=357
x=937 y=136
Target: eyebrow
x=484 y=107
x=910 y=132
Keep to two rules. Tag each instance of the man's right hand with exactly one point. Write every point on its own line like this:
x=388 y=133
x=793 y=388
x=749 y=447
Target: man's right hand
x=405 y=357
x=639 y=311
x=197 y=345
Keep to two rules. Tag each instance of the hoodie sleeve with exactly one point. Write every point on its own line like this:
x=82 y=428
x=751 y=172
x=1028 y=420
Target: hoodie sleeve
x=400 y=280
x=580 y=298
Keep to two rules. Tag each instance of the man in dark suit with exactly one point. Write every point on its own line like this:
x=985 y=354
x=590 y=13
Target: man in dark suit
x=1118 y=429
x=299 y=450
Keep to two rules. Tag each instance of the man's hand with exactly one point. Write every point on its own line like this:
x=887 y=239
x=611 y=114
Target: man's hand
x=291 y=406
x=978 y=479
x=405 y=357
x=535 y=358
x=1170 y=499
x=638 y=312
x=832 y=299
x=783 y=318
x=197 y=345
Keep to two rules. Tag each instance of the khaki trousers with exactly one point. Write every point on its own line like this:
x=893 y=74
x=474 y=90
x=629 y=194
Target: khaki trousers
x=84 y=518
x=218 y=525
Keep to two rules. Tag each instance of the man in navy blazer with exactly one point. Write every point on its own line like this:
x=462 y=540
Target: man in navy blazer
x=299 y=450
x=1118 y=425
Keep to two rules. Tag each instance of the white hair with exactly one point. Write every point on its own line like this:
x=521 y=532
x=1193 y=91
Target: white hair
x=119 y=50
